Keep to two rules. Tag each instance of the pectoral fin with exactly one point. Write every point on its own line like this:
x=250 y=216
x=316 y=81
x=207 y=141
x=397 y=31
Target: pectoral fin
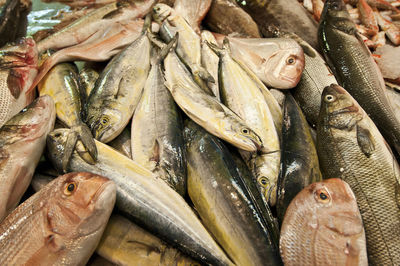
x=69 y=149
x=365 y=141
x=14 y=83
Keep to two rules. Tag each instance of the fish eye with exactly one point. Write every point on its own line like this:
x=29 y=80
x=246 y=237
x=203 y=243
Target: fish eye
x=245 y=131
x=156 y=9
x=263 y=181
x=57 y=135
x=335 y=5
x=290 y=60
x=329 y=98
x=104 y=120
x=322 y=196
x=69 y=188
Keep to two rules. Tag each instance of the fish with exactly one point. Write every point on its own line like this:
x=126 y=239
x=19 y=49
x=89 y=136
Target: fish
x=117 y=91
x=98 y=47
x=22 y=142
x=242 y=95
x=226 y=17
x=275 y=13
x=209 y=60
x=300 y=166
x=206 y=110
x=122 y=143
x=144 y=198
x=323 y=226
x=64 y=222
x=193 y=11
x=13 y=20
x=62 y=85
x=317 y=6
x=355 y=69
x=367 y=17
x=18 y=68
x=391 y=30
x=156 y=139
x=188 y=46
x=212 y=177
x=125 y=243
x=88 y=76
x=351 y=148
x=82 y=3
x=278 y=62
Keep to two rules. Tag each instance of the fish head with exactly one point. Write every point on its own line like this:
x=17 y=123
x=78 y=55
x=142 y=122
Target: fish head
x=103 y=125
x=161 y=12
x=283 y=69
x=55 y=144
x=328 y=211
x=338 y=108
x=334 y=9
x=246 y=138
x=78 y=209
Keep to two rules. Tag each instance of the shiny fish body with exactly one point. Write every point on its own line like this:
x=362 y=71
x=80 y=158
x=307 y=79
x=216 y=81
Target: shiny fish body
x=22 y=141
x=355 y=69
x=209 y=60
x=125 y=243
x=243 y=96
x=57 y=226
x=213 y=177
x=146 y=199
x=206 y=110
x=122 y=143
x=350 y=147
x=193 y=11
x=157 y=141
x=323 y=226
x=118 y=89
x=87 y=77
x=300 y=165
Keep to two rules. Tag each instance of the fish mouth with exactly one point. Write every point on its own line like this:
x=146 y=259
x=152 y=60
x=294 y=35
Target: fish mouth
x=349 y=109
x=105 y=195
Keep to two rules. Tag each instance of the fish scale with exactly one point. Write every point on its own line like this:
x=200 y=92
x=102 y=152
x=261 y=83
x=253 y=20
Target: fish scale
x=373 y=179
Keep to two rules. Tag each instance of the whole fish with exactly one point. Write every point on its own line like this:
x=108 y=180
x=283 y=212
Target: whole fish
x=213 y=178
x=275 y=13
x=157 y=141
x=188 y=46
x=209 y=60
x=18 y=68
x=193 y=11
x=62 y=85
x=125 y=243
x=122 y=143
x=22 y=141
x=355 y=69
x=278 y=62
x=145 y=198
x=300 y=165
x=226 y=17
x=59 y=225
x=391 y=30
x=242 y=95
x=118 y=89
x=323 y=226
x=13 y=20
x=350 y=147
x=206 y=110
x=367 y=17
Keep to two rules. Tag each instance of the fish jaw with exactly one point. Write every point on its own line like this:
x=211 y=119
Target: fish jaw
x=284 y=68
x=161 y=12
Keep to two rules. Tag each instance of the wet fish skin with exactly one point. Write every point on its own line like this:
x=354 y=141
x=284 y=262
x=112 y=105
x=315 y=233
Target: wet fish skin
x=275 y=13
x=22 y=141
x=156 y=139
x=144 y=198
x=226 y=17
x=350 y=147
x=62 y=85
x=209 y=60
x=206 y=110
x=122 y=143
x=212 y=177
x=122 y=237
x=300 y=166
x=355 y=69
x=64 y=221
x=193 y=11
x=278 y=62
x=242 y=95
x=323 y=226
x=88 y=76
x=117 y=91
x=18 y=68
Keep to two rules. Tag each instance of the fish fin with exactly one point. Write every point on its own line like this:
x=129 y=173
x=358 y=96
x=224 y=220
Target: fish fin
x=197 y=78
x=147 y=23
x=203 y=74
x=165 y=49
x=365 y=141
x=85 y=135
x=215 y=48
x=14 y=83
x=156 y=153
x=69 y=149
x=155 y=40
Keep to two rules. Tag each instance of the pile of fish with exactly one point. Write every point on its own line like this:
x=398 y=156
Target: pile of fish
x=207 y=132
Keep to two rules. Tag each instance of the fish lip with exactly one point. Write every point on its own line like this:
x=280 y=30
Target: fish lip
x=102 y=195
x=349 y=109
